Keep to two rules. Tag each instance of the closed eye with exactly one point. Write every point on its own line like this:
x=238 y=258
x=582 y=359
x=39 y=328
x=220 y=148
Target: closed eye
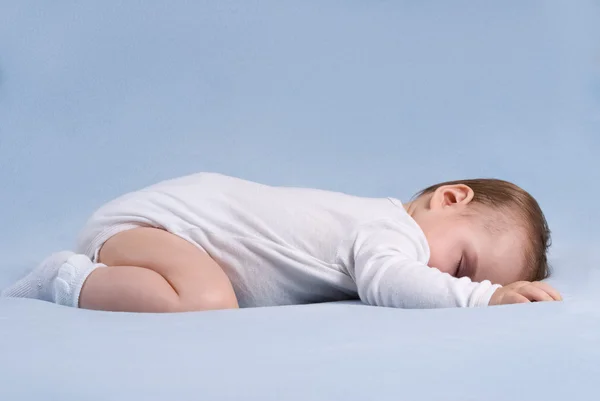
x=459 y=269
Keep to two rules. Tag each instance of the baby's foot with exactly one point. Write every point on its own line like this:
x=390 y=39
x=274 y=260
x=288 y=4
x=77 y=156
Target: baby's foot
x=39 y=283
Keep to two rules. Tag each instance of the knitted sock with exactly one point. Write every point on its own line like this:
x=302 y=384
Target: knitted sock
x=58 y=279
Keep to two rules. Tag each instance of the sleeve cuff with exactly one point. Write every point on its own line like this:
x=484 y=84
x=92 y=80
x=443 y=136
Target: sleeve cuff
x=484 y=298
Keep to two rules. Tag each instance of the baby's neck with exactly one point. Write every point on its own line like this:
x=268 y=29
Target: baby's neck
x=411 y=207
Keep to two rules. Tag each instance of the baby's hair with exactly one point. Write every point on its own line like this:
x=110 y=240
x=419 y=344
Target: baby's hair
x=499 y=194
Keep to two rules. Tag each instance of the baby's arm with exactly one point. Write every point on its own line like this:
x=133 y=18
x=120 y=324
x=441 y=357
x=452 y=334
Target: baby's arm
x=387 y=272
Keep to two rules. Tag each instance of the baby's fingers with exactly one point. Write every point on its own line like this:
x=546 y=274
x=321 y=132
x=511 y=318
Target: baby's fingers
x=534 y=293
x=516 y=298
x=549 y=290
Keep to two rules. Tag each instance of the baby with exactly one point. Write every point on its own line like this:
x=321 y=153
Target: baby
x=210 y=241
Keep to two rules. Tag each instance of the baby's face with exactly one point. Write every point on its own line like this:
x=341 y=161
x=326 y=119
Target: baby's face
x=463 y=246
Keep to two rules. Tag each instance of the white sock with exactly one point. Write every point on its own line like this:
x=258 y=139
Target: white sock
x=58 y=279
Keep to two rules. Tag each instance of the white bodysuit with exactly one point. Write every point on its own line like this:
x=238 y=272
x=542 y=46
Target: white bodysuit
x=283 y=245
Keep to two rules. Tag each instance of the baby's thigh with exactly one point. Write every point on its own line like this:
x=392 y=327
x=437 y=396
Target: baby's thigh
x=189 y=269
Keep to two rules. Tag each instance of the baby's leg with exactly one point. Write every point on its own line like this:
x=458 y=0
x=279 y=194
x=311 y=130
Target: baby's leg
x=152 y=270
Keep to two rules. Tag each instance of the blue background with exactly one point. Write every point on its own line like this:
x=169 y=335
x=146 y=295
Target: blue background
x=375 y=98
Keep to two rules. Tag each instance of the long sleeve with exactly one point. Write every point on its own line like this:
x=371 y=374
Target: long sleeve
x=390 y=269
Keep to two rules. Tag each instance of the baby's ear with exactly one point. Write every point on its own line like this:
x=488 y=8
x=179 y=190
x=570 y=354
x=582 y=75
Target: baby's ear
x=451 y=195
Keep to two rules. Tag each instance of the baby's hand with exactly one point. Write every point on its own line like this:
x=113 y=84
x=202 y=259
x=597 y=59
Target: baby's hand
x=524 y=292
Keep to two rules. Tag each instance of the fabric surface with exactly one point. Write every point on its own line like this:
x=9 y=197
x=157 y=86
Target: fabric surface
x=331 y=351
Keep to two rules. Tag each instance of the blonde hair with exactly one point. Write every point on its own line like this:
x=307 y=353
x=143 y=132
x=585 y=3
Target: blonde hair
x=499 y=194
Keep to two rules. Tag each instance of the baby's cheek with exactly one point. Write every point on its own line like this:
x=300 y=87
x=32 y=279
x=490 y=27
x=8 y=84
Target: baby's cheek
x=446 y=269
x=440 y=265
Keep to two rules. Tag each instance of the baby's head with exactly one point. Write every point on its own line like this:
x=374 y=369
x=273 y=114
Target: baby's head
x=485 y=229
